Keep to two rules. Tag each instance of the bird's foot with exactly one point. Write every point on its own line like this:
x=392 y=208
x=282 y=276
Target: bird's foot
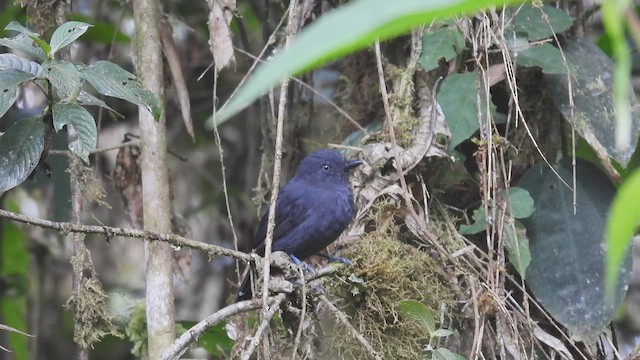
x=333 y=258
x=302 y=264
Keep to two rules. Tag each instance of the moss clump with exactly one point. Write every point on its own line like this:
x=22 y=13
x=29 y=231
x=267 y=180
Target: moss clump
x=387 y=272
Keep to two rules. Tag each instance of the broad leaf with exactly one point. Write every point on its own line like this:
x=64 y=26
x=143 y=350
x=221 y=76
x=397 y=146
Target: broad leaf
x=420 y=313
x=9 y=81
x=566 y=273
x=24 y=44
x=81 y=128
x=215 y=340
x=445 y=43
x=479 y=222
x=10 y=61
x=86 y=99
x=345 y=30
x=66 y=34
x=541 y=22
x=520 y=203
x=64 y=78
x=459 y=100
x=111 y=80
x=517 y=244
x=545 y=56
x=446 y=354
x=16 y=26
x=20 y=150
x=621 y=227
x=593 y=113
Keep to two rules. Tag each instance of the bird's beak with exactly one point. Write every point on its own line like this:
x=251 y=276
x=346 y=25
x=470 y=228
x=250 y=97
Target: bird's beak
x=352 y=164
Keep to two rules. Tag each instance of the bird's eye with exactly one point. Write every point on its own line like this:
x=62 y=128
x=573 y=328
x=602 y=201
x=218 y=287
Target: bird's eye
x=326 y=167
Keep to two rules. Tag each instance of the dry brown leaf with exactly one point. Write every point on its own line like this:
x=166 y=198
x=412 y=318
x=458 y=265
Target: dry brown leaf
x=220 y=41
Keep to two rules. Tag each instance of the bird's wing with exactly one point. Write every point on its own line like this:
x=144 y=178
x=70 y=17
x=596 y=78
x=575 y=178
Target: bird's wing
x=291 y=210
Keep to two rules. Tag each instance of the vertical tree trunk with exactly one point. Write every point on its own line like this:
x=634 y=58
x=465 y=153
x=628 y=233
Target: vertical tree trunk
x=155 y=181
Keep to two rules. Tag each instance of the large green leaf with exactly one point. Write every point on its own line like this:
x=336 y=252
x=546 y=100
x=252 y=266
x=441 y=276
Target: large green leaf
x=9 y=81
x=64 y=78
x=540 y=22
x=215 y=340
x=545 y=56
x=16 y=26
x=342 y=31
x=621 y=227
x=81 y=128
x=67 y=33
x=445 y=42
x=592 y=110
x=459 y=100
x=24 y=44
x=112 y=80
x=566 y=273
x=20 y=150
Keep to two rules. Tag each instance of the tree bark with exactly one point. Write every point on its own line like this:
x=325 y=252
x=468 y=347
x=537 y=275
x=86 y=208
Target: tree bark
x=155 y=181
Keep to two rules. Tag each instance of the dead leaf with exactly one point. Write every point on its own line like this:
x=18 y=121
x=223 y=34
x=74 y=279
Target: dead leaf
x=220 y=41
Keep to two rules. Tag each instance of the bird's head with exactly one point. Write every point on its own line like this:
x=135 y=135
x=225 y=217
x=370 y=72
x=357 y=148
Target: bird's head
x=326 y=166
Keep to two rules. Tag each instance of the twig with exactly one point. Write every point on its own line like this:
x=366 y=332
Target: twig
x=175 y=240
x=272 y=308
x=100 y=150
x=303 y=313
x=342 y=317
x=181 y=344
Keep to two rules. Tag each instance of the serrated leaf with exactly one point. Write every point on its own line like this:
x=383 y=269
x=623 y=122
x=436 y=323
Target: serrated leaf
x=67 y=33
x=9 y=81
x=10 y=61
x=479 y=222
x=541 y=22
x=458 y=98
x=517 y=244
x=445 y=43
x=64 y=78
x=545 y=56
x=592 y=111
x=111 y=80
x=20 y=149
x=419 y=312
x=566 y=273
x=81 y=128
x=23 y=43
x=520 y=202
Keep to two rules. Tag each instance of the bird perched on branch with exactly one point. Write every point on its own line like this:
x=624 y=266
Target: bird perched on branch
x=312 y=210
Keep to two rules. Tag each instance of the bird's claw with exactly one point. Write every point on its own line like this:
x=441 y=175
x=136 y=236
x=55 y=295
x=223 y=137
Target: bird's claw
x=333 y=258
x=302 y=264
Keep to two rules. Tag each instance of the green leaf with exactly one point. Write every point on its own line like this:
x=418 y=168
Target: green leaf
x=24 y=44
x=479 y=222
x=215 y=340
x=420 y=313
x=64 y=78
x=459 y=99
x=86 y=99
x=9 y=81
x=343 y=31
x=81 y=128
x=567 y=273
x=445 y=43
x=111 y=80
x=541 y=22
x=10 y=61
x=16 y=26
x=622 y=225
x=520 y=202
x=517 y=244
x=100 y=31
x=446 y=354
x=67 y=33
x=545 y=56
x=592 y=110
x=442 y=333
x=20 y=150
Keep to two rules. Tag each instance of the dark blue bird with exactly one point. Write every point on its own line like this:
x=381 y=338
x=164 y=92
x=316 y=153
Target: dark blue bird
x=312 y=210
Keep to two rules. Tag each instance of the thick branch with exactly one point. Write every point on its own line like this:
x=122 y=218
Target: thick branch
x=175 y=240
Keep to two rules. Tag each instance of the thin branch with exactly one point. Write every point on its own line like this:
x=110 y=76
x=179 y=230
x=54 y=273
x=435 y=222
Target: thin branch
x=175 y=240
x=272 y=308
x=303 y=313
x=100 y=150
x=342 y=317
x=180 y=346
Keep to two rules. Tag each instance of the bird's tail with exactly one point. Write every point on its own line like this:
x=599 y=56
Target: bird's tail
x=244 y=292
